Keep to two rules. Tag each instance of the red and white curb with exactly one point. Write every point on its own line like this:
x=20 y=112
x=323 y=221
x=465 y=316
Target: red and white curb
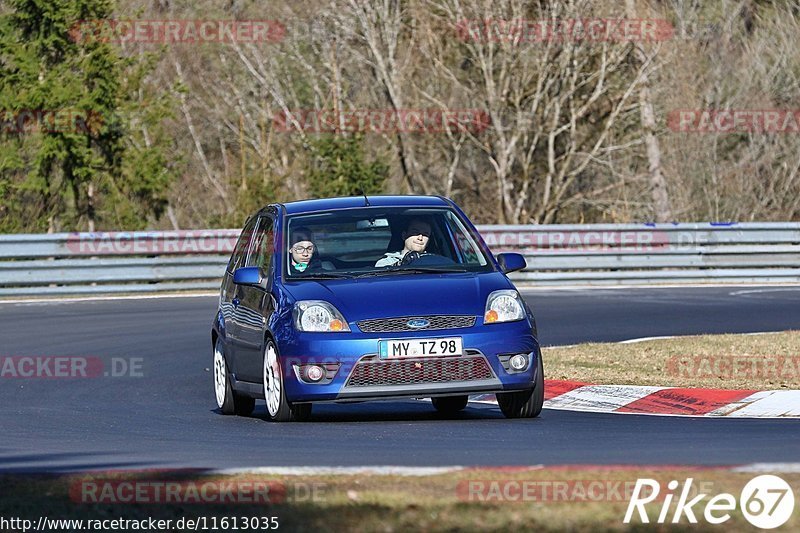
x=636 y=399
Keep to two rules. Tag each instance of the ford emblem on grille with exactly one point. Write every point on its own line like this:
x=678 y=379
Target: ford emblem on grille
x=418 y=323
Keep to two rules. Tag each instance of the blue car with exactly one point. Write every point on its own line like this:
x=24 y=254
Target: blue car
x=370 y=298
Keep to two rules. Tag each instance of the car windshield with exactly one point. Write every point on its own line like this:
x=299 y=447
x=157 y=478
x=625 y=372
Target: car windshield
x=372 y=241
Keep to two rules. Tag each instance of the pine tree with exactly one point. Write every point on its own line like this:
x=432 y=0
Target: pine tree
x=65 y=156
x=339 y=168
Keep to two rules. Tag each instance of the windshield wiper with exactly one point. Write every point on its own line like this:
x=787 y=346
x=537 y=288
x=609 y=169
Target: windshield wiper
x=321 y=275
x=434 y=270
x=411 y=270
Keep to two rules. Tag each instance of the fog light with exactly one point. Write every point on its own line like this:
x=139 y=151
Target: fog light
x=314 y=373
x=519 y=362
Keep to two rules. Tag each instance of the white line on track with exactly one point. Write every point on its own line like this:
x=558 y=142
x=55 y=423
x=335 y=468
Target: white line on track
x=784 y=468
x=69 y=300
x=342 y=470
x=645 y=339
x=758 y=291
x=524 y=287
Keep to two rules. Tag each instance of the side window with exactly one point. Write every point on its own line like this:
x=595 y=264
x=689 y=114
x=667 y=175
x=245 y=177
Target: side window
x=242 y=245
x=260 y=253
x=441 y=243
x=468 y=248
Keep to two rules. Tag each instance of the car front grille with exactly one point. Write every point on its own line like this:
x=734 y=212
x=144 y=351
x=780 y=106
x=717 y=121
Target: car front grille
x=371 y=372
x=392 y=325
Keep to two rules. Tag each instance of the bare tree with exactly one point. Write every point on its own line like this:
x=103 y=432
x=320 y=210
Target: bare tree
x=554 y=105
x=658 y=183
x=577 y=128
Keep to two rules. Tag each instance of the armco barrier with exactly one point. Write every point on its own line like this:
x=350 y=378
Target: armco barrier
x=593 y=254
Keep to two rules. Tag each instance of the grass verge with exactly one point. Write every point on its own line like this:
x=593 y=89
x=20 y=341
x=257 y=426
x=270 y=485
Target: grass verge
x=760 y=362
x=549 y=499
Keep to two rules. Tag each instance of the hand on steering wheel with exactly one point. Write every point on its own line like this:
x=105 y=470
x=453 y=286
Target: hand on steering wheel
x=410 y=257
x=425 y=259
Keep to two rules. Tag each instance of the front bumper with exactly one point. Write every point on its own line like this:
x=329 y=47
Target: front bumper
x=355 y=372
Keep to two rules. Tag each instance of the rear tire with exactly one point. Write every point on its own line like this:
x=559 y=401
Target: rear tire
x=449 y=405
x=243 y=405
x=278 y=408
x=228 y=400
x=527 y=403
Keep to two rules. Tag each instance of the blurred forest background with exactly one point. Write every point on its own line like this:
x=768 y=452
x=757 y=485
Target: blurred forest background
x=578 y=130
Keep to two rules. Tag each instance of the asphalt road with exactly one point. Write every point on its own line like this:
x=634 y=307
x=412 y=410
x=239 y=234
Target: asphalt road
x=164 y=415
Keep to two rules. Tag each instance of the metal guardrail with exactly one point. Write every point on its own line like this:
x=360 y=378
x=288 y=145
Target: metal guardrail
x=593 y=254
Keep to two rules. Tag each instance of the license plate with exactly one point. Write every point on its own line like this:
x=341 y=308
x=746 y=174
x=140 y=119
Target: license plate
x=394 y=349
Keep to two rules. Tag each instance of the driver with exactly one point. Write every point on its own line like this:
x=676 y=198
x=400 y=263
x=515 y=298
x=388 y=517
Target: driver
x=415 y=239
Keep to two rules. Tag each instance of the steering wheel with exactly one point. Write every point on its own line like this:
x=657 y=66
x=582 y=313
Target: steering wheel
x=425 y=259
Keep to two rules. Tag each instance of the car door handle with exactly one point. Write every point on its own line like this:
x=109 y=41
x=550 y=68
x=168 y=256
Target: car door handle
x=235 y=302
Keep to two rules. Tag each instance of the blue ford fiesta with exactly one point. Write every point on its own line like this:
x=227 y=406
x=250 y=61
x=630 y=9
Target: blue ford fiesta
x=368 y=298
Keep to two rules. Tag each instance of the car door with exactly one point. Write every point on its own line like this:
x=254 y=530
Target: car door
x=229 y=299
x=255 y=304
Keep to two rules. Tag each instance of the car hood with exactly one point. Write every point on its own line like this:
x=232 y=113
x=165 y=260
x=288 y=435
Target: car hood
x=403 y=295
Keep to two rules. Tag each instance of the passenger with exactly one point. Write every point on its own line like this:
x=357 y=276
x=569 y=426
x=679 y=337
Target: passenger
x=302 y=251
x=415 y=239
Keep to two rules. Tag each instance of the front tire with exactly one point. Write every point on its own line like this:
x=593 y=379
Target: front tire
x=278 y=408
x=450 y=405
x=527 y=403
x=228 y=401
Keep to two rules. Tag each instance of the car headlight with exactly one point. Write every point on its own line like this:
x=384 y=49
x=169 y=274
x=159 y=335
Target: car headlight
x=318 y=315
x=503 y=306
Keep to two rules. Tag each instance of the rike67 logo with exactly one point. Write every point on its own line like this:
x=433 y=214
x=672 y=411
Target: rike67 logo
x=766 y=502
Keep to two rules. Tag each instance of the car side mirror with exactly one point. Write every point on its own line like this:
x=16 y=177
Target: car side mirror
x=249 y=276
x=511 y=262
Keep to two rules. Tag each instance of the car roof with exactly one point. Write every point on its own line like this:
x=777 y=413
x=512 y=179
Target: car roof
x=325 y=204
